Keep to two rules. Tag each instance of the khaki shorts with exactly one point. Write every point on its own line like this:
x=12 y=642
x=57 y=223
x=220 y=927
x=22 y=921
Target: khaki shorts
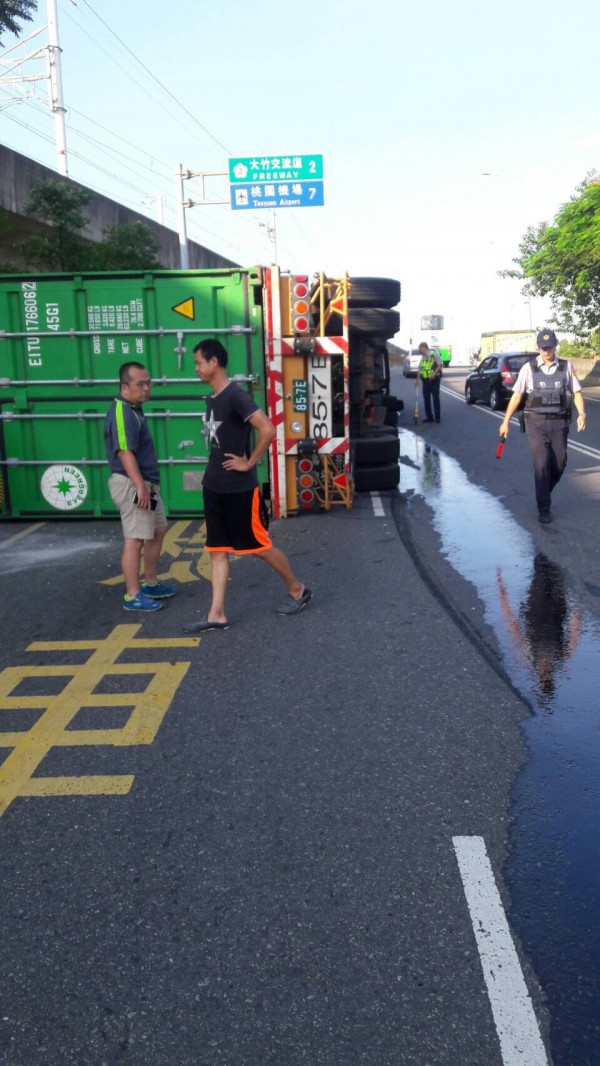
x=138 y=524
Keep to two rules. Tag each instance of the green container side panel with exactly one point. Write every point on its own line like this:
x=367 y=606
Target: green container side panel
x=113 y=308
x=57 y=466
x=40 y=375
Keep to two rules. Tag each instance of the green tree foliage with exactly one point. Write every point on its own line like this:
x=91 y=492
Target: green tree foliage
x=562 y=260
x=5 y=229
x=127 y=246
x=581 y=348
x=60 y=205
x=12 y=12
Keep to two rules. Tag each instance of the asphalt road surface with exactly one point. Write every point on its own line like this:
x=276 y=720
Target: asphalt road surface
x=470 y=434
x=280 y=844
x=290 y=842
x=540 y=591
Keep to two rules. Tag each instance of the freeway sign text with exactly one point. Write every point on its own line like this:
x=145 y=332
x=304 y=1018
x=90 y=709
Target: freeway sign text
x=275 y=194
x=258 y=168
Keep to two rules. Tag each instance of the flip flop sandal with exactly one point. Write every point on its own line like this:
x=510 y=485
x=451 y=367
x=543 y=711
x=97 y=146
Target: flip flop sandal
x=204 y=627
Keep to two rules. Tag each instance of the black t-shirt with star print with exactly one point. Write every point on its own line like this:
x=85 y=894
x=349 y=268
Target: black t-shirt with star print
x=228 y=430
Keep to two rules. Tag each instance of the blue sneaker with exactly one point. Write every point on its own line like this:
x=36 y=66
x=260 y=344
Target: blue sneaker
x=141 y=603
x=158 y=591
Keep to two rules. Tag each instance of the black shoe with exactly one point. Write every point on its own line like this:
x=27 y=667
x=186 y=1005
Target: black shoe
x=292 y=606
x=544 y=517
x=438 y=419
x=428 y=420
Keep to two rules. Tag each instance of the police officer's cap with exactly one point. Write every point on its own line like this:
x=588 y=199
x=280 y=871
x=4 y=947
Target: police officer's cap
x=547 y=338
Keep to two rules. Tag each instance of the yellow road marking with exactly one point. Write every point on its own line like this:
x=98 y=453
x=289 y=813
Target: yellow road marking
x=79 y=786
x=147 y=710
x=23 y=533
x=184 y=544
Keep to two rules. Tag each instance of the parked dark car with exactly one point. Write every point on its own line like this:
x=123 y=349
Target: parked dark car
x=492 y=381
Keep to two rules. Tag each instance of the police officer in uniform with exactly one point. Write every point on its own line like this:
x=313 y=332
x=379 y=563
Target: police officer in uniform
x=430 y=373
x=546 y=382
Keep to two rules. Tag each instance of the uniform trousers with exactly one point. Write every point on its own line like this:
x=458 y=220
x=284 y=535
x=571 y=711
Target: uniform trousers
x=547 y=439
x=431 y=391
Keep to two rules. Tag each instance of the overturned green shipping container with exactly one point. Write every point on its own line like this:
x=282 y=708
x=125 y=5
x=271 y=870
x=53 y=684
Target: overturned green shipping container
x=62 y=341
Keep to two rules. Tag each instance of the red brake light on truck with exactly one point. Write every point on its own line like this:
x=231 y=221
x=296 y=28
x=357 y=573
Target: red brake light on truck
x=300 y=304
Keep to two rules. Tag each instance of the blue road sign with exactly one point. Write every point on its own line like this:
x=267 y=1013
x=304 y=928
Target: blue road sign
x=276 y=194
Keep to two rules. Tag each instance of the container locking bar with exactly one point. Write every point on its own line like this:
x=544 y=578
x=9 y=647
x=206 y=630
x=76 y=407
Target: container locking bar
x=158 y=332
x=190 y=460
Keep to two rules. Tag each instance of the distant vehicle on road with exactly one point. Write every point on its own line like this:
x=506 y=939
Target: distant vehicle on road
x=505 y=341
x=445 y=354
x=492 y=381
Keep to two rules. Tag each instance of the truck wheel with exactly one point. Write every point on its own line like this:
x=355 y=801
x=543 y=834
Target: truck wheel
x=375 y=451
x=375 y=321
x=379 y=431
x=375 y=478
x=378 y=320
x=374 y=292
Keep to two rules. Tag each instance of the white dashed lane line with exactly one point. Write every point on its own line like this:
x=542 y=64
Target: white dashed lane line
x=512 y=1009
x=378 y=510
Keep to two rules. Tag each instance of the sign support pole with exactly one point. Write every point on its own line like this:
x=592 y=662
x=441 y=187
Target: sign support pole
x=184 y=256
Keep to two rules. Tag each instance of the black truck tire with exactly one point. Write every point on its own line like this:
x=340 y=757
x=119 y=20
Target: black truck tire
x=379 y=322
x=375 y=320
x=379 y=431
x=375 y=451
x=376 y=478
x=374 y=292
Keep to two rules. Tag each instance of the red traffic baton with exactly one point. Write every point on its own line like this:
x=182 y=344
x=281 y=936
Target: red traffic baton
x=500 y=447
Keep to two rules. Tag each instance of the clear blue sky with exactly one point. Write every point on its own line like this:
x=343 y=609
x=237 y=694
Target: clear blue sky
x=408 y=103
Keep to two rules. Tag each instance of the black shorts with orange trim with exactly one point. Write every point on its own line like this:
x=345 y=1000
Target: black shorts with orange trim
x=236 y=522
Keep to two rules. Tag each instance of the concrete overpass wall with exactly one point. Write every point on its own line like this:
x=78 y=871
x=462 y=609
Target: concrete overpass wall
x=18 y=176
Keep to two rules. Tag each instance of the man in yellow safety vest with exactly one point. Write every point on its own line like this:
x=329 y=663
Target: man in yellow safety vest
x=430 y=373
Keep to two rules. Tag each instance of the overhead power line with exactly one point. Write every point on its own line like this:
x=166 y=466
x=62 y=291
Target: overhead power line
x=157 y=80
x=146 y=176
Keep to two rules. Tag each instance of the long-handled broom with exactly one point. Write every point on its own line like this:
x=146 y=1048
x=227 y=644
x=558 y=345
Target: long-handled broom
x=416 y=410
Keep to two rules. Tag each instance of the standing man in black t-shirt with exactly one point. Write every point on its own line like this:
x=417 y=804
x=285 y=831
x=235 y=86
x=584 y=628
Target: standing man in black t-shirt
x=233 y=507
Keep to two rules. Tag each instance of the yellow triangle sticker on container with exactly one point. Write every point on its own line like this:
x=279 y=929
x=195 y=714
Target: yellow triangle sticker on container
x=185 y=308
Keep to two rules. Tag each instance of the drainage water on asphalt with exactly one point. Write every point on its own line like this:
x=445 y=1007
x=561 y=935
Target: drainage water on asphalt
x=550 y=648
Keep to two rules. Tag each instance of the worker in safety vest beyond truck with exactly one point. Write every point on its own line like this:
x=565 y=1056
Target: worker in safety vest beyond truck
x=430 y=374
x=546 y=381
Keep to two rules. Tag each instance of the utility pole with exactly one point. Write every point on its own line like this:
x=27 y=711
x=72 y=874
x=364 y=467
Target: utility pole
x=182 y=175
x=51 y=52
x=184 y=255
x=55 y=89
